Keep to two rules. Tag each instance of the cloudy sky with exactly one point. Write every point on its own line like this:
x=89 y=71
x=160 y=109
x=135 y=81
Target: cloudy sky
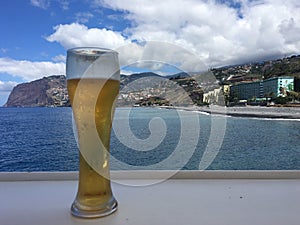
x=36 y=33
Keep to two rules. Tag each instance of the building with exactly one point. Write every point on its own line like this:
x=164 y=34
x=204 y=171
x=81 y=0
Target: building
x=213 y=96
x=217 y=96
x=245 y=91
x=278 y=86
x=297 y=84
x=273 y=87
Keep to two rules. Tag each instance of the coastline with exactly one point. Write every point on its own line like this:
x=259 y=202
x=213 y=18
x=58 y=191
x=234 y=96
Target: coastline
x=248 y=111
x=235 y=111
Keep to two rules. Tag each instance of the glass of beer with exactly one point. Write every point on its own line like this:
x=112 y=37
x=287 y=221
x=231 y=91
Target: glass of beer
x=93 y=80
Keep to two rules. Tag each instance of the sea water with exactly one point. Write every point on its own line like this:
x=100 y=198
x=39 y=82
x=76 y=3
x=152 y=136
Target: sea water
x=42 y=139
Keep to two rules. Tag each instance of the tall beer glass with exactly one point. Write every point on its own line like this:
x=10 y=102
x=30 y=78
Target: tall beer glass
x=93 y=79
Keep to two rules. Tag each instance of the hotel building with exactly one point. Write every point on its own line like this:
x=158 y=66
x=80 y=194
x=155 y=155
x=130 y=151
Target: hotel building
x=276 y=86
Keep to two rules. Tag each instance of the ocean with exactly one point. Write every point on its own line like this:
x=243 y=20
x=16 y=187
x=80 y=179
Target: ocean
x=42 y=139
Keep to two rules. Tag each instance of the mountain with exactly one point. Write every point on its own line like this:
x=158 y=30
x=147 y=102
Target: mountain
x=179 y=75
x=48 y=91
x=289 y=66
x=140 y=88
x=137 y=80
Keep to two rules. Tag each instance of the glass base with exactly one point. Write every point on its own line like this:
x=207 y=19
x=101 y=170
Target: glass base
x=106 y=210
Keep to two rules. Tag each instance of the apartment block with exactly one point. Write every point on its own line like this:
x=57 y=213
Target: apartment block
x=277 y=86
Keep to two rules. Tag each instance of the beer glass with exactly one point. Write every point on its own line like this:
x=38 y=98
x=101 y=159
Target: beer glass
x=93 y=79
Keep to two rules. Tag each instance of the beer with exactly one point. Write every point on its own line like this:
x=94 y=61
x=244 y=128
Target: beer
x=92 y=102
x=93 y=79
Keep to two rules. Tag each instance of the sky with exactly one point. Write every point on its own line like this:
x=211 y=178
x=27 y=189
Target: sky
x=149 y=34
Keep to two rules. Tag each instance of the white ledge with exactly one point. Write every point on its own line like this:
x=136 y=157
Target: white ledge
x=157 y=174
x=188 y=197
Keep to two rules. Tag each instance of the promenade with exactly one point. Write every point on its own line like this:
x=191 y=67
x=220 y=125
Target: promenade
x=248 y=111
x=254 y=111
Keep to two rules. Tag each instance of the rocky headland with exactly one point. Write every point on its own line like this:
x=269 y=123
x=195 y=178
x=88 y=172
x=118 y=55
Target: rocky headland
x=45 y=92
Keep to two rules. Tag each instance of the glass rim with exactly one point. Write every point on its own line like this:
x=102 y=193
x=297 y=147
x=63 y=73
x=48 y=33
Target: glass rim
x=91 y=51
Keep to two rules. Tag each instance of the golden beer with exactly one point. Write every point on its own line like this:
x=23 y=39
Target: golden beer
x=94 y=189
x=92 y=98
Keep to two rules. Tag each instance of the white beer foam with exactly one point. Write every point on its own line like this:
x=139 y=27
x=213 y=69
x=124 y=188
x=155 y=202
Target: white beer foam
x=93 y=63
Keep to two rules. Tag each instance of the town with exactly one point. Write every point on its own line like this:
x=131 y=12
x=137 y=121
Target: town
x=274 y=82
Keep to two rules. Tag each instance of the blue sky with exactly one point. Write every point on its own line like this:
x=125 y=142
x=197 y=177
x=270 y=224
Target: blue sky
x=35 y=34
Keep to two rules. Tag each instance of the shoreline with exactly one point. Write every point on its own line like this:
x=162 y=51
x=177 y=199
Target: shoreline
x=247 y=111
x=266 y=112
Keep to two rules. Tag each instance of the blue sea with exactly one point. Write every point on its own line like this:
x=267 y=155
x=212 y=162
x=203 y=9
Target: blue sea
x=42 y=139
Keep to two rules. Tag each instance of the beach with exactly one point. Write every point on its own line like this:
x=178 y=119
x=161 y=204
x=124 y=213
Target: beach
x=249 y=111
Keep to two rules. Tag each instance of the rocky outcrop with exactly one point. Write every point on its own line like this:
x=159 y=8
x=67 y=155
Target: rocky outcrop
x=48 y=91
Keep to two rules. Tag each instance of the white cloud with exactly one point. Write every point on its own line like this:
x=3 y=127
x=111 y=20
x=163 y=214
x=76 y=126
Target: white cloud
x=44 y=4
x=29 y=70
x=290 y=30
x=78 y=35
x=217 y=33
x=7 y=86
x=64 y=4
x=126 y=72
x=130 y=53
x=220 y=34
x=156 y=56
x=59 y=58
x=83 y=17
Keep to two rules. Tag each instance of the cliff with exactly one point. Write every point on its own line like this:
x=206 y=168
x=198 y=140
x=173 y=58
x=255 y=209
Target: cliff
x=48 y=91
